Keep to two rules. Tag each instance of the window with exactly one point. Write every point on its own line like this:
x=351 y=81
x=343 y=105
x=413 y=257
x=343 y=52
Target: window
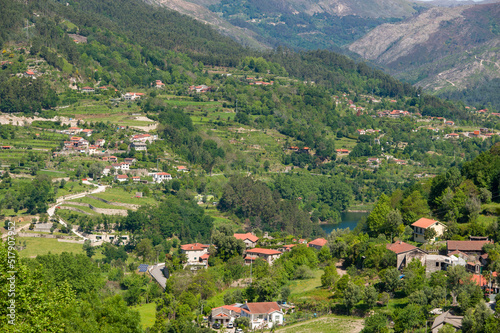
x=437 y=264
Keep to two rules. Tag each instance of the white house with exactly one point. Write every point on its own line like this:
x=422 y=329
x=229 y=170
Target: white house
x=125 y=166
x=423 y=224
x=161 y=176
x=263 y=314
x=92 y=150
x=143 y=138
x=139 y=146
x=121 y=178
x=87 y=132
x=194 y=251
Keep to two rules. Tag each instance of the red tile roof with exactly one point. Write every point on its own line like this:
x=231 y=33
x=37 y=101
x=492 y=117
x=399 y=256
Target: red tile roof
x=122 y=177
x=248 y=236
x=466 y=246
x=230 y=307
x=424 y=223
x=262 y=307
x=400 y=247
x=480 y=280
x=318 y=242
x=193 y=247
x=263 y=251
x=205 y=256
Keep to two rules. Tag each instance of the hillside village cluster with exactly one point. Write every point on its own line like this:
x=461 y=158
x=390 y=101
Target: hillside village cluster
x=467 y=253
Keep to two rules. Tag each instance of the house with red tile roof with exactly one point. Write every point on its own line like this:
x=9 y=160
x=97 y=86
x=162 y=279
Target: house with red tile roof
x=121 y=178
x=87 y=132
x=288 y=247
x=267 y=254
x=452 y=136
x=249 y=239
x=159 y=84
x=470 y=247
x=405 y=253
x=263 y=315
x=489 y=284
x=160 y=177
x=88 y=90
x=342 y=151
x=422 y=224
x=318 y=243
x=194 y=252
x=225 y=314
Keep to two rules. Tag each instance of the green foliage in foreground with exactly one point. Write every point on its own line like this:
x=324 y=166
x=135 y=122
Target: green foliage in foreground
x=58 y=297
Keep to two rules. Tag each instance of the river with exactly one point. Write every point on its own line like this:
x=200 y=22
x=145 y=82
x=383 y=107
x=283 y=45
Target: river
x=349 y=220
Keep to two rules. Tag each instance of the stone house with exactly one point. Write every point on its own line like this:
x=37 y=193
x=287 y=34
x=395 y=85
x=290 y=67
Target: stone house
x=405 y=253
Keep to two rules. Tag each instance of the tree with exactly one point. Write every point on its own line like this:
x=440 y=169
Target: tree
x=409 y=318
x=378 y=217
x=144 y=249
x=376 y=323
x=329 y=277
x=370 y=296
x=352 y=295
x=414 y=207
x=88 y=248
x=430 y=234
x=391 y=279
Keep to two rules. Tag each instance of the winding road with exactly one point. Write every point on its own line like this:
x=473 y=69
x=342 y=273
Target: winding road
x=51 y=210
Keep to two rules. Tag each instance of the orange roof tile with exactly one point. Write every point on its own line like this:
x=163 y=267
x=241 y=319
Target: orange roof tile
x=248 y=236
x=263 y=251
x=400 y=247
x=318 y=242
x=424 y=223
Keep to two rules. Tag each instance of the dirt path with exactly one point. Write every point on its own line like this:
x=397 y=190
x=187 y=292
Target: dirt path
x=340 y=271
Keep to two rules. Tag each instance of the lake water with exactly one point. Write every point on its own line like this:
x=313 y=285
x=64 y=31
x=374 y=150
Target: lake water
x=349 y=220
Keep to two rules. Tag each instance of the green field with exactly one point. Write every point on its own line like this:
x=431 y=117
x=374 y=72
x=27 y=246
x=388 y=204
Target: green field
x=309 y=288
x=118 y=194
x=326 y=324
x=96 y=203
x=39 y=246
x=147 y=313
x=90 y=110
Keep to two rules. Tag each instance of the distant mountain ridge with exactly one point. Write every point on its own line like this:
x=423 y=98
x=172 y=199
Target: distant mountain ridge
x=244 y=36
x=442 y=49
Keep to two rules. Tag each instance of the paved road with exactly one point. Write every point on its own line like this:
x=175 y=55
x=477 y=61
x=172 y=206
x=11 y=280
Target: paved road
x=51 y=210
x=157 y=274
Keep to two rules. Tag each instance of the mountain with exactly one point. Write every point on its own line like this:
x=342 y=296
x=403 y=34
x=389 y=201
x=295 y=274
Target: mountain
x=299 y=24
x=243 y=36
x=441 y=50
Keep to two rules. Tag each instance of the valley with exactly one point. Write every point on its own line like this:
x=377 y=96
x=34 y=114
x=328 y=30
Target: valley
x=159 y=176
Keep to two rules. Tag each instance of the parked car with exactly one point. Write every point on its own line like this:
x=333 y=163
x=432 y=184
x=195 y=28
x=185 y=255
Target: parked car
x=216 y=326
x=238 y=330
x=229 y=325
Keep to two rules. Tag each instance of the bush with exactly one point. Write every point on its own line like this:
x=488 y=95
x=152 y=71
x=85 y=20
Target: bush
x=303 y=272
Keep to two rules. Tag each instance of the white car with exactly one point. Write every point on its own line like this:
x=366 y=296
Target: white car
x=238 y=330
x=229 y=325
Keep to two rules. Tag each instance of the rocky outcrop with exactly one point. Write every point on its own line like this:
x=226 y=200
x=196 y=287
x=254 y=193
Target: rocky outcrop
x=389 y=42
x=442 y=49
